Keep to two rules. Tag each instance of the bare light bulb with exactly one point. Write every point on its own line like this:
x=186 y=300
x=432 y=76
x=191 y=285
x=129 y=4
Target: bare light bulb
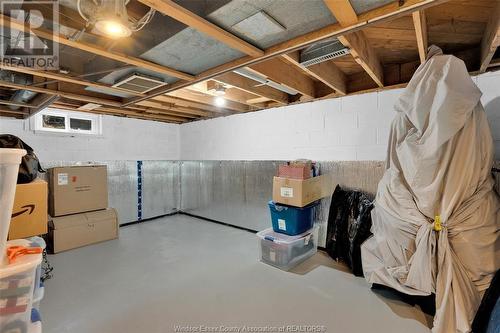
x=220 y=101
x=113 y=28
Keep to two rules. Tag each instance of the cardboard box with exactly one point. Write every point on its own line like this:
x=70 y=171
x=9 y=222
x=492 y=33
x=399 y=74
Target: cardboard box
x=72 y=231
x=77 y=189
x=294 y=171
x=29 y=213
x=300 y=193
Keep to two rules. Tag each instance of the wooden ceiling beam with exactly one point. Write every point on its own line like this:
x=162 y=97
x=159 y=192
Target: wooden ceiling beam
x=18 y=104
x=190 y=19
x=356 y=41
x=7 y=22
x=279 y=71
x=326 y=72
x=232 y=93
x=381 y=14
x=67 y=78
x=253 y=87
x=182 y=102
x=420 y=23
x=187 y=112
x=69 y=95
x=86 y=83
x=491 y=39
x=124 y=113
x=203 y=98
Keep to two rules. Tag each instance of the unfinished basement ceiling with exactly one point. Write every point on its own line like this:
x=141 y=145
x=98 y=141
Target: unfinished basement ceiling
x=298 y=17
x=260 y=36
x=182 y=51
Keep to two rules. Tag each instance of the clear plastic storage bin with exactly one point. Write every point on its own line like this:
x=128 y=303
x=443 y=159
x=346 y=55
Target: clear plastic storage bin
x=17 y=281
x=285 y=251
x=9 y=167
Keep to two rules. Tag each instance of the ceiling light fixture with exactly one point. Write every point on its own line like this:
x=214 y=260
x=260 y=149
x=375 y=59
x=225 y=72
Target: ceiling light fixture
x=110 y=17
x=220 y=91
x=220 y=101
x=113 y=28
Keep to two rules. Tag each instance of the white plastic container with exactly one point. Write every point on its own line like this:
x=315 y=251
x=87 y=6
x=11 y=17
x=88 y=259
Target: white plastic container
x=17 y=282
x=285 y=251
x=9 y=167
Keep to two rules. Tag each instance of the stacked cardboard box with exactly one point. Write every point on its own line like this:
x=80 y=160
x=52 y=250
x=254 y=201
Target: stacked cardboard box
x=297 y=190
x=78 y=207
x=29 y=213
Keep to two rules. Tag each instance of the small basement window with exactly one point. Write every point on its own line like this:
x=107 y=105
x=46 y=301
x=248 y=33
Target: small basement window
x=66 y=122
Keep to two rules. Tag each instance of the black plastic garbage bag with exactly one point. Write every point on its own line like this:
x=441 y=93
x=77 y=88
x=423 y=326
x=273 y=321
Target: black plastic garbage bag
x=30 y=166
x=349 y=223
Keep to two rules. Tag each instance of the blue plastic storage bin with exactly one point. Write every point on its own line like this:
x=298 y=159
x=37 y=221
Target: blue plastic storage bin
x=292 y=220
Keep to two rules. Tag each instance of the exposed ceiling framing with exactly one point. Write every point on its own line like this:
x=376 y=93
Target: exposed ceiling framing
x=384 y=45
x=491 y=38
x=360 y=48
x=420 y=23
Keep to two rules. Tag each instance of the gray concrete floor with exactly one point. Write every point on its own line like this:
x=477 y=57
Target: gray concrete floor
x=184 y=271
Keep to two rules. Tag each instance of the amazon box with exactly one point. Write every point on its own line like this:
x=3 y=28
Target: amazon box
x=77 y=189
x=72 y=231
x=29 y=213
x=301 y=192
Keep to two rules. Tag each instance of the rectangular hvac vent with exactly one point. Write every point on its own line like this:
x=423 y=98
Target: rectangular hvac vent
x=321 y=52
x=139 y=83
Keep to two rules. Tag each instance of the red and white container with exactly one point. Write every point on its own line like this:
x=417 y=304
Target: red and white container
x=17 y=283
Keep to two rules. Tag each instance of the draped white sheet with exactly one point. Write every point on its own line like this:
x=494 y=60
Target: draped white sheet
x=439 y=163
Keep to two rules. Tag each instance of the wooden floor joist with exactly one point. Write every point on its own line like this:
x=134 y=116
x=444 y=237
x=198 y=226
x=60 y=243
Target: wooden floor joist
x=377 y=15
x=356 y=41
x=278 y=63
x=253 y=87
x=203 y=98
x=326 y=72
x=491 y=39
x=61 y=39
x=279 y=71
x=420 y=23
x=179 y=13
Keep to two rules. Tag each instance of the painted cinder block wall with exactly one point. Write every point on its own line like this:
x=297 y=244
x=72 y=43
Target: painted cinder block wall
x=352 y=128
x=122 y=139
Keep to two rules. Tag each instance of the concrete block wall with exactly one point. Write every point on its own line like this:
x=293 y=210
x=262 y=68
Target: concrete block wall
x=352 y=128
x=489 y=83
x=122 y=139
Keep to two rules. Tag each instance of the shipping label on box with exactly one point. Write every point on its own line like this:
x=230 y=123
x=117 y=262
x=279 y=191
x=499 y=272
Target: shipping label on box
x=29 y=213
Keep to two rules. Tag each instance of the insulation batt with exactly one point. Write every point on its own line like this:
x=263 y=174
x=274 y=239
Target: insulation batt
x=439 y=163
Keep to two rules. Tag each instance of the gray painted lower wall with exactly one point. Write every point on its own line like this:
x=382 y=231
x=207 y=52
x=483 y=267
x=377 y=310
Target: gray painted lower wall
x=233 y=192
x=237 y=192
x=160 y=187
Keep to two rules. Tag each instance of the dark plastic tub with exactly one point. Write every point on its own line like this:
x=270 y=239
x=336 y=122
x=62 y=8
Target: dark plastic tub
x=292 y=220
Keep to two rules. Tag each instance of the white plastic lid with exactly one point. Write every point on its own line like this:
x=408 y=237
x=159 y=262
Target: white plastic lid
x=22 y=263
x=276 y=237
x=11 y=155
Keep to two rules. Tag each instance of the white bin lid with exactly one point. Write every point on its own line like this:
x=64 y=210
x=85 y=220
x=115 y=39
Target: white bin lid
x=276 y=237
x=22 y=263
x=11 y=155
